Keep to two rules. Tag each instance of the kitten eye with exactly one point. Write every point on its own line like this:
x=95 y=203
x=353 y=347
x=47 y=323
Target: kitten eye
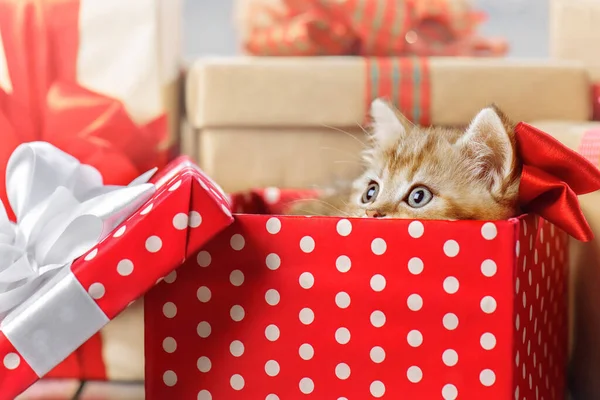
x=371 y=193
x=419 y=197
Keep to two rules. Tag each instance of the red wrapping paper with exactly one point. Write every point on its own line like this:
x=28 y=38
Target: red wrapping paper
x=185 y=212
x=45 y=102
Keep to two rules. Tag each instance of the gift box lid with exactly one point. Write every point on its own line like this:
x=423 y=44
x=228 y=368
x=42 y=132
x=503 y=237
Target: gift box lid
x=161 y=228
x=278 y=92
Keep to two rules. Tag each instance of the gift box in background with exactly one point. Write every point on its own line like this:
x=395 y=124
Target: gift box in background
x=583 y=137
x=376 y=28
x=278 y=114
x=107 y=96
x=574 y=30
x=50 y=308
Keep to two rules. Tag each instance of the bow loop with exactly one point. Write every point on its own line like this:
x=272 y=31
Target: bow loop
x=552 y=177
x=63 y=210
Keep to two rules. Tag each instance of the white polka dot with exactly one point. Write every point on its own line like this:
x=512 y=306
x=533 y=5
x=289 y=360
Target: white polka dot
x=204 y=294
x=194 y=219
x=273 y=261
x=89 y=256
x=342 y=335
x=487 y=377
x=237 y=382
x=125 y=267
x=414 y=338
x=169 y=310
x=451 y=248
x=343 y=264
x=153 y=244
x=377 y=389
x=489 y=231
x=204 y=364
x=236 y=277
x=414 y=302
x=237 y=242
x=272 y=195
x=180 y=221
x=488 y=341
x=306 y=385
x=415 y=265
x=273 y=225
x=307 y=280
x=236 y=348
x=172 y=277
x=342 y=300
x=488 y=304
x=272 y=397
x=12 y=361
x=204 y=329
x=120 y=232
x=307 y=316
x=450 y=357
x=170 y=378
x=378 y=282
x=272 y=368
x=449 y=392
x=378 y=246
x=489 y=268
x=272 y=333
x=518 y=248
x=97 y=291
x=377 y=319
x=377 y=354
x=342 y=371
x=237 y=313
x=414 y=374
x=307 y=244
x=147 y=209
x=175 y=186
x=450 y=321
x=272 y=297
x=169 y=345
x=416 y=229
x=204 y=395
x=306 y=351
x=451 y=285
x=203 y=259
x=344 y=227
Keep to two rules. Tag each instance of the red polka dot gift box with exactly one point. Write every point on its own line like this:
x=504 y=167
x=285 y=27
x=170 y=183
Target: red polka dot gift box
x=52 y=300
x=288 y=307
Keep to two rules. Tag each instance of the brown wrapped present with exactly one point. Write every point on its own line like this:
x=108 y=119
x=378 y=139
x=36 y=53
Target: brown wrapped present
x=264 y=121
x=583 y=137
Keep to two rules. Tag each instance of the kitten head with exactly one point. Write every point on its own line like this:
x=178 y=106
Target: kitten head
x=438 y=173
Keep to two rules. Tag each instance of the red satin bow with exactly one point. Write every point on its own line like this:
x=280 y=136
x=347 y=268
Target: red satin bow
x=553 y=175
x=41 y=41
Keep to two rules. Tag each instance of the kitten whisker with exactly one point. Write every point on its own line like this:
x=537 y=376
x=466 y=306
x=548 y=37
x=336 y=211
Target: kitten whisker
x=362 y=144
x=331 y=206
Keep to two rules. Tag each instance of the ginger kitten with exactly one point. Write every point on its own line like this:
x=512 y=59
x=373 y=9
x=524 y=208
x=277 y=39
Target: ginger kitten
x=431 y=173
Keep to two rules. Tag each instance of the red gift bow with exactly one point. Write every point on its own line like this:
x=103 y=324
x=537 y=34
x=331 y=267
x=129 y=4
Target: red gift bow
x=553 y=175
x=373 y=27
x=40 y=40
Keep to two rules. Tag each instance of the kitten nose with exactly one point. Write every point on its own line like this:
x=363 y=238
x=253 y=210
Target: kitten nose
x=374 y=214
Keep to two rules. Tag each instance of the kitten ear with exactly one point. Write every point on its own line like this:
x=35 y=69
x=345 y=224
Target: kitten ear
x=489 y=145
x=386 y=124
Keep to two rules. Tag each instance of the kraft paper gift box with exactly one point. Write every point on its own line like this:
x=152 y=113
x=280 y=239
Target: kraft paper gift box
x=574 y=33
x=278 y=307
x=81 y=252
x=255 y=122
x=109 y=96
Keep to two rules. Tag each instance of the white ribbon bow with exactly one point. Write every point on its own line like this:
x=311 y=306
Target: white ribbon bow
x=63 y=210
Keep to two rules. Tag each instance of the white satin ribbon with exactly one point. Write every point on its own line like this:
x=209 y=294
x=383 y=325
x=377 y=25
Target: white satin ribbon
x=63 y=210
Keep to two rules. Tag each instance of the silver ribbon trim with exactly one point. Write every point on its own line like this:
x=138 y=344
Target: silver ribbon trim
x=63 y=210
